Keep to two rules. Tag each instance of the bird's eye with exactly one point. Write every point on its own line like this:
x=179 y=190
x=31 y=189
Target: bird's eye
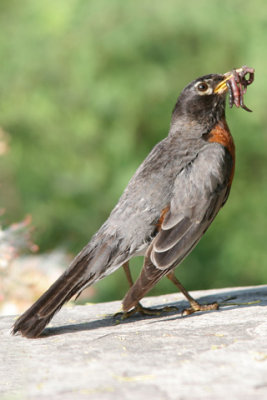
x=202 y=86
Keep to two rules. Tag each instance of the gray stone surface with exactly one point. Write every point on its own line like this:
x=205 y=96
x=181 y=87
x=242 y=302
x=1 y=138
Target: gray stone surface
x=86 y=354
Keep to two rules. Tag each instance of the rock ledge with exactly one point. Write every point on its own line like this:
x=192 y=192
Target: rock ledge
x=86 y=354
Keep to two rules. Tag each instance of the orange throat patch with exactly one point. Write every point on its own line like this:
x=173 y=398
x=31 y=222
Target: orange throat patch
x=221 y=134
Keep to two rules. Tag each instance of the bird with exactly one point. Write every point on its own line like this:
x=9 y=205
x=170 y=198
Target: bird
x=167 y=206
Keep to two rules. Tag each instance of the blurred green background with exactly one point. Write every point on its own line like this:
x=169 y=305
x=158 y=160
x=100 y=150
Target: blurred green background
x=86 y=91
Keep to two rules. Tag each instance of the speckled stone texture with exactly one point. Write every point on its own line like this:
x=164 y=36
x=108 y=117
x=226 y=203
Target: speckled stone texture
x=87 y=354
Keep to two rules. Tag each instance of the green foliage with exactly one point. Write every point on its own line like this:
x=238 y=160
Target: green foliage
x=87 y=89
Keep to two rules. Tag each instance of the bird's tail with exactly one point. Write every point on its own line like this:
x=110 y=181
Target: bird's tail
x=89 y=266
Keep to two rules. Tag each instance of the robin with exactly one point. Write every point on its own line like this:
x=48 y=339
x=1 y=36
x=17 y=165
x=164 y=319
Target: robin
x=165 y=209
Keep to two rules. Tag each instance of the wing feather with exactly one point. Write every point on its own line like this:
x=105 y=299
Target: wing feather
x=198 y=194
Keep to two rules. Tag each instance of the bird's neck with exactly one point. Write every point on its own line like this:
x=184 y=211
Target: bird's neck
x=192 y=128
x=195 y=123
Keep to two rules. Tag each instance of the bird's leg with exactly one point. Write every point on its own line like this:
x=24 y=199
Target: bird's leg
x=195 y=306
x=128 y=274
x=139 y=308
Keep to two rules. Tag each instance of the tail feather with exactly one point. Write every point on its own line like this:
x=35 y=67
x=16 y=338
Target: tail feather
x=85 y=269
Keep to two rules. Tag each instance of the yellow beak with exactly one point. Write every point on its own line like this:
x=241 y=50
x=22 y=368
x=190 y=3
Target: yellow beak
x=222 y=87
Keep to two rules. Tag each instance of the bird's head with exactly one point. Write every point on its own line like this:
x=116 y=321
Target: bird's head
x=202 y=102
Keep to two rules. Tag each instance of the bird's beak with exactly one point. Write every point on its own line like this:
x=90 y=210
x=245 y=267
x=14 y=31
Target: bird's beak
x=222 y=86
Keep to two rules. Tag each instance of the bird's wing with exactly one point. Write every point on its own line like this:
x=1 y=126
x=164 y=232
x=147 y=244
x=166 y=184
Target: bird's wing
x=199 y=191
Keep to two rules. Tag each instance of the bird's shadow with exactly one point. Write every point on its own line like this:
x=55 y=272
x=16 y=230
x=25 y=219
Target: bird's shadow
x=250 y=297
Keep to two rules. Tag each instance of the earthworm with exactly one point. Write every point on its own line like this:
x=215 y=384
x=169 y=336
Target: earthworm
x=237 y=86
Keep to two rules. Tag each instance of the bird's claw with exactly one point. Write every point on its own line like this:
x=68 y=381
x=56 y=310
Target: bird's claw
x=195 y=306
x=200 y=307
x=144 y=311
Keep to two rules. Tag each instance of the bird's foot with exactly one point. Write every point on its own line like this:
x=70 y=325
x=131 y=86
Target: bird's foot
x=144 y=311
x=195 y=306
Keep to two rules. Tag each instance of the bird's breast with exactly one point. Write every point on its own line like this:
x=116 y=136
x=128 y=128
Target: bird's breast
x=222 y=135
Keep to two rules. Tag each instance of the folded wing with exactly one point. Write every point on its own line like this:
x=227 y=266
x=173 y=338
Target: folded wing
x=200 y=190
